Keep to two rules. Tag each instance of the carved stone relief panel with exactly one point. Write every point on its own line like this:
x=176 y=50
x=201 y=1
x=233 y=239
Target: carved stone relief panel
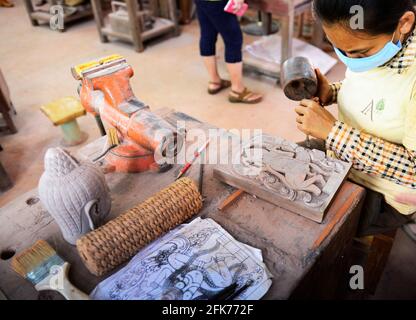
x=286 y=174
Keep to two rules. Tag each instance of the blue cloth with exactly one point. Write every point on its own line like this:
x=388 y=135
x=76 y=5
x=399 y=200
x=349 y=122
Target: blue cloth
x=214 y=20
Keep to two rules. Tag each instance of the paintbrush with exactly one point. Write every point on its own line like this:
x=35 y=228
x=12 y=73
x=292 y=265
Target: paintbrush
x=112 y=142
x=41 y=265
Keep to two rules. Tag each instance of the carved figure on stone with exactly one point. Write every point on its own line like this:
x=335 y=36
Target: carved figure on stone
x=294 y=172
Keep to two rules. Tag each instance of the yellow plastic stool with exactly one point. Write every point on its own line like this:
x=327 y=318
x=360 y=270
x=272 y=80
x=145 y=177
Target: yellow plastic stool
x=64 y=113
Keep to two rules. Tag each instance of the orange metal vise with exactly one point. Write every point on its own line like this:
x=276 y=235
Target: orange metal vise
x=147 y=140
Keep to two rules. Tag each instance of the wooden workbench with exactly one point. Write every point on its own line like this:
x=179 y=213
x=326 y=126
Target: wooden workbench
x=305 y=260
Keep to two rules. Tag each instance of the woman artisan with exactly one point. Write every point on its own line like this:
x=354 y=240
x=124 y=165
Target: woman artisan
x=214 y=20
x=376 y=130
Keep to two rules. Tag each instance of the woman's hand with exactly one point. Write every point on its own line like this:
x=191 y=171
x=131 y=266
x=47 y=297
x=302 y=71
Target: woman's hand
x=314 y=120
x=408 y=199
x=324 y=89
x=238 y=4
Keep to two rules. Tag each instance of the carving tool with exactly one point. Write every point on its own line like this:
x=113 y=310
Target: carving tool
x=189 y=163
x=232 y=291
x=201 y=178
x=231 y=199
x=226 y=292
x=112 y=142
x=236 y=293
x=41 y=265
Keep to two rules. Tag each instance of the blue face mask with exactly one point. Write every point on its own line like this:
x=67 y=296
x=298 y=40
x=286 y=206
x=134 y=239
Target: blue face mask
x=389 y=51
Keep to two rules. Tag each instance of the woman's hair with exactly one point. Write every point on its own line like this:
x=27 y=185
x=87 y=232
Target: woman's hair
x=380 y=16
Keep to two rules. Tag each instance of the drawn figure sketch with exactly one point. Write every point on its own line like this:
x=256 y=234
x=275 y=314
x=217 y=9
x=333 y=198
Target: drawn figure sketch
x=192 y=262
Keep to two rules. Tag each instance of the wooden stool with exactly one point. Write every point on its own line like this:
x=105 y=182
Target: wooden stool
x=64 y=113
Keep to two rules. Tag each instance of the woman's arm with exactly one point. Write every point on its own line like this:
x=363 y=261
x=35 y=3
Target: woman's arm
x=327 y=92
x=367 y=153
x=408 y=199
x=373 y=155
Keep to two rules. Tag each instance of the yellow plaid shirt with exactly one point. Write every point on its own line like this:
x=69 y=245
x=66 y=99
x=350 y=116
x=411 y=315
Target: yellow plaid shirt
x=371 y=154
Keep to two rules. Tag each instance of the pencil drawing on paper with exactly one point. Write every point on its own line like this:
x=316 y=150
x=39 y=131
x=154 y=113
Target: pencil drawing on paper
x=193 y=263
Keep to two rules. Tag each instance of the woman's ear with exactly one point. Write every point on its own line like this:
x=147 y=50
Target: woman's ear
x=407 y=22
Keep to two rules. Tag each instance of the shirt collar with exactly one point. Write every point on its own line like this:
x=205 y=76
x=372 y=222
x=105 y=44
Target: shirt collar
x=406 y=56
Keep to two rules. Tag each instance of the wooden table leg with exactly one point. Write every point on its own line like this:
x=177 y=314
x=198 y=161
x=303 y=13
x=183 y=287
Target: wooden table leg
x=134 y=26
x=9 y=122
x=5 y=182
x=30 y=10
x=266 y=22
x=154 y=7
x=379 y=252
x=98 y=17
x=163 y=8
x=300 y=21
x=5 y=110
x=174 y=16
x=318 y=36
x=186 y=6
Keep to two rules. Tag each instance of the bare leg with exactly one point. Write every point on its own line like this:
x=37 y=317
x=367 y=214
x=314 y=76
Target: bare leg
x=236 y=74
x=211 y=66
x=237 y=85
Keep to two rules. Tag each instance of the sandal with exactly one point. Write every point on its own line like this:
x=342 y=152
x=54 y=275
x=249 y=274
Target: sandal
x=243 y=97
x=224 y=84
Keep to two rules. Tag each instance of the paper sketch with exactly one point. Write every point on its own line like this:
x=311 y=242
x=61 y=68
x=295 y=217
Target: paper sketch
x=192 y=262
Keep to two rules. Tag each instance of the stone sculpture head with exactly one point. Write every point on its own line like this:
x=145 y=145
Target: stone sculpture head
x=74 y=193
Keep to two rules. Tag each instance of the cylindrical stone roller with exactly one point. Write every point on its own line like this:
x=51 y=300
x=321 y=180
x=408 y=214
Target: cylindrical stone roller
x=299 y=79
x=117 y=241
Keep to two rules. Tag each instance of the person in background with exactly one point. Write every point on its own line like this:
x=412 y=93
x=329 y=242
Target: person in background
x=214 y=20
x=376 y=129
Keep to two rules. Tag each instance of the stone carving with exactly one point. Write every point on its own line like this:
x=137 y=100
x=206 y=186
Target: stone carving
x=306 y=179
x=74 y=193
